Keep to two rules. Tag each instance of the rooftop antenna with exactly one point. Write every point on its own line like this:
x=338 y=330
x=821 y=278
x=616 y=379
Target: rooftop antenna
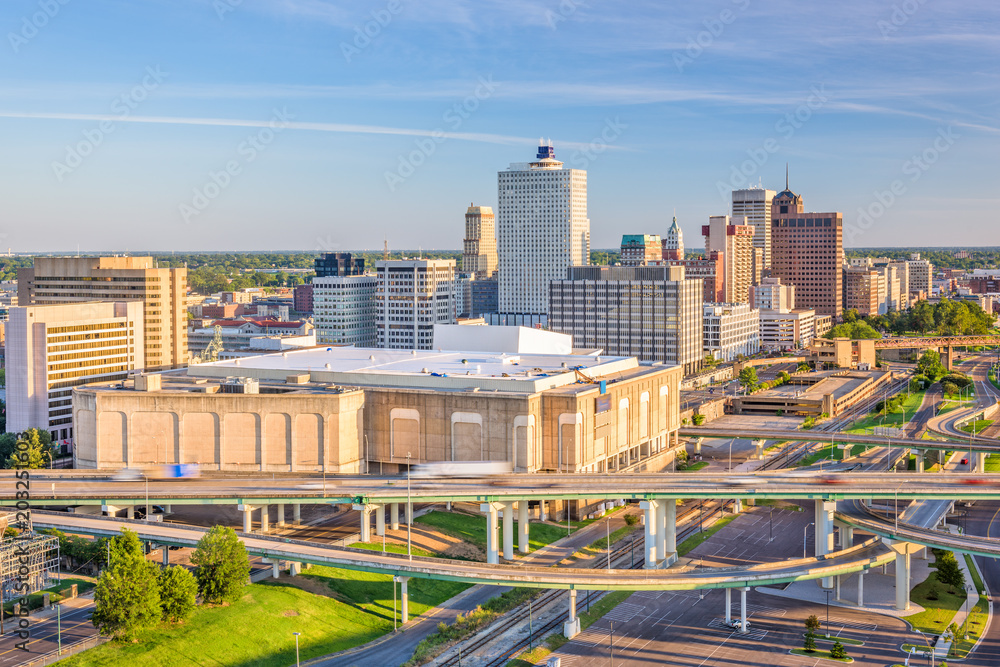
x=385 y=249
x=786 y=175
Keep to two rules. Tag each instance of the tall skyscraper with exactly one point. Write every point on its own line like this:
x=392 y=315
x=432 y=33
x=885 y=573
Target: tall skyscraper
x=807 y=250
x=413 y=296
x=339 y=264
x=673 y=243
x=163 y=292
x=543 y=230
x=734 y=239
x=755 y=205
x=479 y=254
x=345 y=309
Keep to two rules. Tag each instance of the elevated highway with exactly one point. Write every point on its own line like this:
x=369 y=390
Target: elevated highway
x=963 y=440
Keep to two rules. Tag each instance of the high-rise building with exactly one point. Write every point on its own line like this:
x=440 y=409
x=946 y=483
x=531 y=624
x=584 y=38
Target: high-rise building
x=479 y=254
x=807 y=250
x=731 y=330
x=51 y=349
x=734 y=239
x=650 y=312
x=413 y=296
x=673 y=242
x=771 y=294
x=755 y=205
x=345 y=309
x=339 y=264
x=542 y=228
x=54 y=280
x=302 y=299
x=640 y=249
x=864 y=290
x=921 y=273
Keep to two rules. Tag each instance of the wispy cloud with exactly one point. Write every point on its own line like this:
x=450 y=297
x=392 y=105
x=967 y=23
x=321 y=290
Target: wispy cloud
x=345 y=128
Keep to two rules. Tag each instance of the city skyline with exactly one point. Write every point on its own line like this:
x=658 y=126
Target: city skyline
x=198 y=125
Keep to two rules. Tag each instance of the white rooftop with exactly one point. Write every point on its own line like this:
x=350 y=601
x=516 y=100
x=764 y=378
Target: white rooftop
x=522 y=373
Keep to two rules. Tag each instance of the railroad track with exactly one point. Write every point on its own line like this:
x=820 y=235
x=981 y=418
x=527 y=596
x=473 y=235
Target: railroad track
x=519 y=614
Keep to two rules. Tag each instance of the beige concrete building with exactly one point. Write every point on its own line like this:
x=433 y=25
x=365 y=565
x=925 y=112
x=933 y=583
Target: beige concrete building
x=843 y=353
x=864 y=290
x=813 y=394
x=479 y=254
x=734 y=239
x=163 y=292
x=578 y=413
x=51 y=349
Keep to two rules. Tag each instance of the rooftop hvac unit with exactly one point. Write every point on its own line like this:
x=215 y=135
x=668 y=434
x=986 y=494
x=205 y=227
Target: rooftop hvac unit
x=237 y=385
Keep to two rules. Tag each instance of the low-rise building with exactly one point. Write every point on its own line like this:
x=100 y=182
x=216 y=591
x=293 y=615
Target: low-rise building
x=782 y=330
x=731 y=330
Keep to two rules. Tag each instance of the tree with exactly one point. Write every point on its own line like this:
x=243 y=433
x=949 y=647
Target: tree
x=812 y=623
x=178 y=590
x=930 y=365
x=222 y=565
x=810 y=642
x=32 y=450
x=127 y=596
x=838 y=651
x=748 y=376
x=949 y=573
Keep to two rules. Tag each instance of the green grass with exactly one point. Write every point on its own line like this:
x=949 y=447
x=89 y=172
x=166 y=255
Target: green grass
x=553 y=642
x=692 y=467
x=910 y=407
x=616 y=535
x=818 y=653
x=393 y=548
x=842 y=640
x=692 y=542
x=948 y=406
x=938 y=613
x=977 y=426
x=472 y=529
x=35 y=599
x=974 y=625
x=831 y=453
x=977 y=581
x=256 y=630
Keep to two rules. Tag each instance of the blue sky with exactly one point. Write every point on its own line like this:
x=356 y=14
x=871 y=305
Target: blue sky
x=281 y=124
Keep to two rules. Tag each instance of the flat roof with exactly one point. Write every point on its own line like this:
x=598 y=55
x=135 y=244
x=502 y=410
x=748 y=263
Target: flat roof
x=521 y=373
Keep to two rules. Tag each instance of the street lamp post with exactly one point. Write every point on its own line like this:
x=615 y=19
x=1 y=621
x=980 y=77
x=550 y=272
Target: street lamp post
x=409 y=510
x=827 y=591
x=804 y=531
x=731 y=454
x=770 y=524
x=609 y=544
x=296 y=648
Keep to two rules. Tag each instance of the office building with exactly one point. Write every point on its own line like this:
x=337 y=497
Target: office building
x=731 y=330
x=302 y=299
x=782 y=330
x=542 y=228
x=51 y=349
x=650 y=312
x=754 y=204
x=640 y=249
x=345 y=310
x=984 y=281
x=772 y=294
x=413 y=295
x=710 y=271
x=734 y=239
x=479 y=253
x=485 y=297
x=921 y=274
x=54 y=280
x=864 y=290
x=673 y=242
x=807 y=250
x=339 y=264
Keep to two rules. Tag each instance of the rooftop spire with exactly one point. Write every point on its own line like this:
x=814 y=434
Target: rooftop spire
x=786 y=175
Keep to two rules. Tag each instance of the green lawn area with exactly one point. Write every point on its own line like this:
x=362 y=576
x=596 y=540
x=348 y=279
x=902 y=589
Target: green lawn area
x=948 y=406
x=974 y=626
x=392 y=548
x=910 y=407
x=257 y=630
x=977 y=426
x=472 y=529
x=692 y=467
x=938 y=613
x=692 y=542
x=830 y=453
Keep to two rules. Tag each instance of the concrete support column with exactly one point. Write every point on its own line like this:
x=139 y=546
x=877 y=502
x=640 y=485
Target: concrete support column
x=394 y=516
x=846 y=537
x=697 y=445
x=571 y=628
x=275 y=569
x=168 y=509
x=166 y=555
x=404 y=597
x=492 y=555
x=669 y=528
x=737 y=506
x=861 y=588
x=903 y=581
x=980 y=461
x=836 y=586
x=247 y=517
x=294 y=568
x=366 y=521
x=280 y=520
x=743 y=609
x=729 y=606
x=649 y=508
x=297 y=513
x=661 y=538
x=508 y=531
x=824 y=533
x=130 y=512
x=265 y=519
x=522 y=526
x=380 y=520
x=542 y=514
x=920 y=460
x=759 y=449
x=447 y=506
